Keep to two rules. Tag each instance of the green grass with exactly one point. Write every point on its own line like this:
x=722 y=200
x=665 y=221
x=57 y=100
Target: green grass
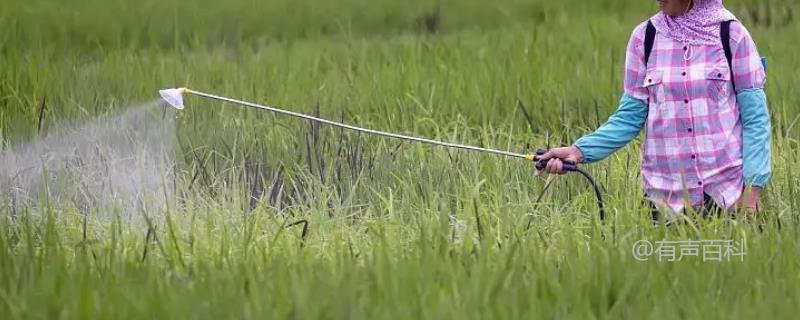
x=396 y=230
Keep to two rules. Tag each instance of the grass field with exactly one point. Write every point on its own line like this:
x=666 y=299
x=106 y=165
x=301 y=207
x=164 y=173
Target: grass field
x=396 y=230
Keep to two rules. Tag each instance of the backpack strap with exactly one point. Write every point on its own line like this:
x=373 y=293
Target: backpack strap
x=649 y=39
x=725 y=34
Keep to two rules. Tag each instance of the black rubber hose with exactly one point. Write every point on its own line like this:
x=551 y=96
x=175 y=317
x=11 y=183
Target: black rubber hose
x=573 y=167
x=600 y=205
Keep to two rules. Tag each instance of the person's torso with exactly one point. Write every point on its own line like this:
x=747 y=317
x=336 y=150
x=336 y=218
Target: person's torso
x=693 y=131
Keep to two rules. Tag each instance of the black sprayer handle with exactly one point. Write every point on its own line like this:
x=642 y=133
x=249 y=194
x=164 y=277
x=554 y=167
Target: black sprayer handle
x=540 y=164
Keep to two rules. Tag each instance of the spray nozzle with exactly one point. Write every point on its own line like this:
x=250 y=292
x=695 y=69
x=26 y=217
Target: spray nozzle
x=173 y=96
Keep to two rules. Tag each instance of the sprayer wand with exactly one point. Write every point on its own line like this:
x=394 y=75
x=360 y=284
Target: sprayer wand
x=174 y=97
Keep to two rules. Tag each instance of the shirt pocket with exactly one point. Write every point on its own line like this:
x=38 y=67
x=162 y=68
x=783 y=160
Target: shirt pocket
x=654 y=83
x=718 y=83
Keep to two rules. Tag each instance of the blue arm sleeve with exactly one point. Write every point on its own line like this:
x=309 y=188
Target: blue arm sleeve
x=756 y=136
x=624 y=125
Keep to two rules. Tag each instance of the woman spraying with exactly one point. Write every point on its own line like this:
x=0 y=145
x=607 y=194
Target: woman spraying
x=702 y=102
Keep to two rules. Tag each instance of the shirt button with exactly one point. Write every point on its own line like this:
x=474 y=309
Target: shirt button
x=693 y=156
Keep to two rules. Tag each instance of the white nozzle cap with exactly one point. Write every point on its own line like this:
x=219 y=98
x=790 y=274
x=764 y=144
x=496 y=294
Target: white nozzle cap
x=174 y=97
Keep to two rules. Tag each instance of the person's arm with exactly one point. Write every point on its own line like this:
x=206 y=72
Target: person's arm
x=756 y=137
x=626 y=123
x=749 y=77
x=622 y=127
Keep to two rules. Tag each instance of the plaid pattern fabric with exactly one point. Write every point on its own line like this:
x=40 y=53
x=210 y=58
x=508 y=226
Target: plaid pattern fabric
x=693 y=142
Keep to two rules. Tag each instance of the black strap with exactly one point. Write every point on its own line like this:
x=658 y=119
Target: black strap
x=649 y=39
x=725 y=34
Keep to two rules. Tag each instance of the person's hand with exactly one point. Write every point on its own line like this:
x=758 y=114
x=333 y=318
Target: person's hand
x=555 y=159
x=750 y=201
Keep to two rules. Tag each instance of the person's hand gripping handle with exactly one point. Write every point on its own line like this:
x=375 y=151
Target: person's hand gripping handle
x=557 y=160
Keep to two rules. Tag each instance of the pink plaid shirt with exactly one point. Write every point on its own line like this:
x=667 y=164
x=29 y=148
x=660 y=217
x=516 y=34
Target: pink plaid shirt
x=693 y=142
